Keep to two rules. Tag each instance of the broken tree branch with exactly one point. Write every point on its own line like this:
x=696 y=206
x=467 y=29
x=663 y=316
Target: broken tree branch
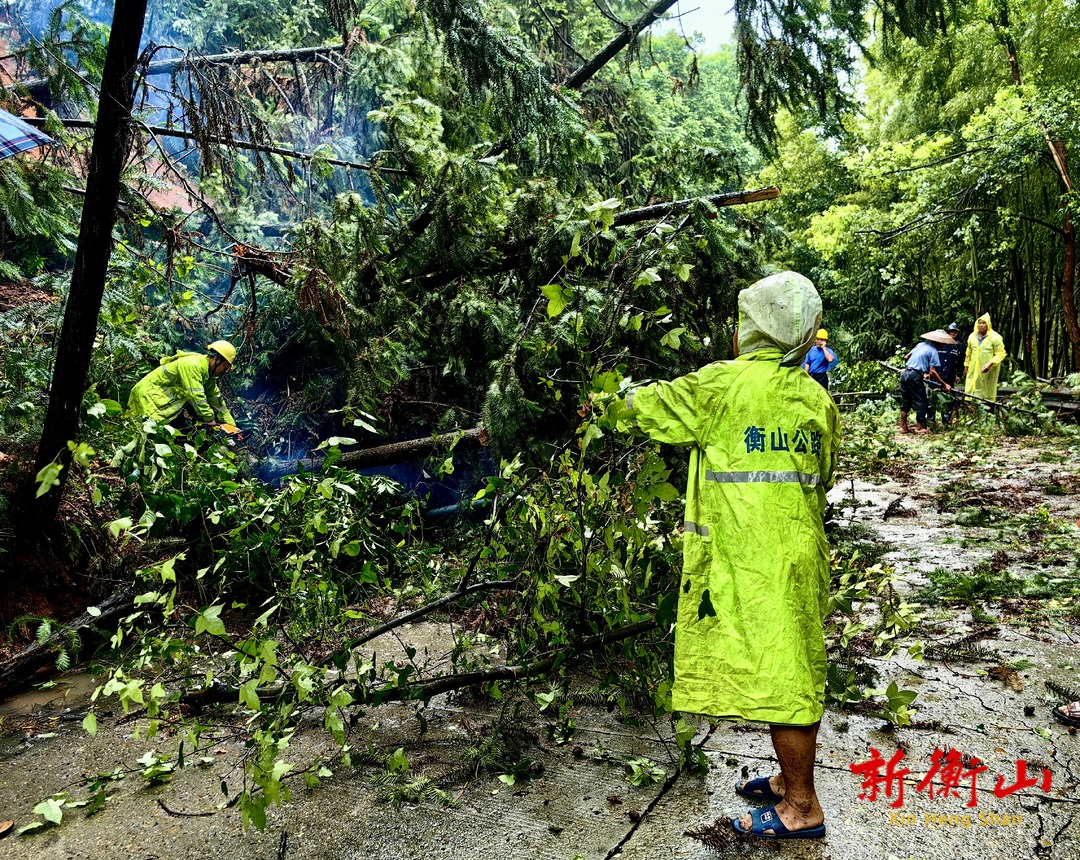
x=595 y=63
x=420 y=612
x=659 y=210
x=520 y=672
x=234 y=143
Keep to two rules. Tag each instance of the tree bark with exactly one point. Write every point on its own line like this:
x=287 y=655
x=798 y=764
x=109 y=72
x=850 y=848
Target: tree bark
x=1068 y=291
x=112 y=145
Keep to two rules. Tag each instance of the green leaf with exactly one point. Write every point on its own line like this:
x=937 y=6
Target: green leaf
x=89 y=723
x=249 y=695
x=209 y=621
x=335 y=442
x=397 y=762
x=50 y=810
x=48 y=478
x=665 y=492
x=558 y=298
x=665 y=611
x=117 y=526
x=253 y=810
x=671 y=339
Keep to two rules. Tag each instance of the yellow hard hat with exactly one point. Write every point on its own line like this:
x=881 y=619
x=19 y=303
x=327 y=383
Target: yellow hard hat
x=225 y=349
x=822 y=334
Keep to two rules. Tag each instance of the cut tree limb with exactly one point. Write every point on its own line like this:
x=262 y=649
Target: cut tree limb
x=421 y=611
x=382 y=455
x=221 y=693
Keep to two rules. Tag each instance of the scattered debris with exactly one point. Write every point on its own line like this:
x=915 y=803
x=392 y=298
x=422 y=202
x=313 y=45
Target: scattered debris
x=719 y=835
x=896 y=509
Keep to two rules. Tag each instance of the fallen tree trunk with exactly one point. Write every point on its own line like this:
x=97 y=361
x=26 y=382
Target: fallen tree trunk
x=21 y=667
x=382 y=455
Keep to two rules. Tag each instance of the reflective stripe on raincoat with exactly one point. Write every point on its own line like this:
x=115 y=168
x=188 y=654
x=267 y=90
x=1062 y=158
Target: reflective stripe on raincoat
x=749 y=640
x=181 y=379
x=992 y=350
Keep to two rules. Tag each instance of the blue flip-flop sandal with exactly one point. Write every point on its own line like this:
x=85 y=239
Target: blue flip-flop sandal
x=758 y=789
x=767 y=819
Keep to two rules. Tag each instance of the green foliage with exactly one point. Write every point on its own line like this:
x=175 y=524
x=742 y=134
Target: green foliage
x=643 y=772
x=868 y=619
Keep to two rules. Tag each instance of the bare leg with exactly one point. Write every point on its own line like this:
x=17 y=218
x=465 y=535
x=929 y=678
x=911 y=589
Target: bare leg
x=795 y=748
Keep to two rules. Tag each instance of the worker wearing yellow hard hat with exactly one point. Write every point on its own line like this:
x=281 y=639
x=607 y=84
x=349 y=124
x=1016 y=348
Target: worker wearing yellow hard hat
x=185 y=383
x=820 y=359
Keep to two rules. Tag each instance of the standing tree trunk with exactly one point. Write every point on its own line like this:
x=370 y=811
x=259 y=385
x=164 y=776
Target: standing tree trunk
x=1068 y=287
x=112 y=145
x=1059 y=156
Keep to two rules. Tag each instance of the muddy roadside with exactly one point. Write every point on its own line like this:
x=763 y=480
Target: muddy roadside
x=984 y=543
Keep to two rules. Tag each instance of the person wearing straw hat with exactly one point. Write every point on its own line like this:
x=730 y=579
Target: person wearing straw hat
x=820 y=359
x=920 y=364
x=185 y=386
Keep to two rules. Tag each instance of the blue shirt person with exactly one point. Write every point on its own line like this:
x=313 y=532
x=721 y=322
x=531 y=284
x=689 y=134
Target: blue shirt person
x=820 y=359
x=922 y=362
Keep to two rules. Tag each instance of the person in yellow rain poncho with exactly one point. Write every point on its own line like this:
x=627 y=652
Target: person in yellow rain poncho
x=982 y=362
x=185 y=382
x=749 y=637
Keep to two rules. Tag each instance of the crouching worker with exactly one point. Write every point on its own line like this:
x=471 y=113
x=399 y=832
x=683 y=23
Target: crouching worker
x=185 y=386
x=749 y=636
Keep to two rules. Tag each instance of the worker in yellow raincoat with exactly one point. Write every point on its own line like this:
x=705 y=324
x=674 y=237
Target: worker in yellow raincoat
x=749 y=637
x=982 y=362
x=187 y=382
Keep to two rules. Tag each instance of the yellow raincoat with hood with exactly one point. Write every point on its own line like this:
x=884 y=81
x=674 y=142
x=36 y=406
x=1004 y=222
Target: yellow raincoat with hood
x=991 y=350
x=763 y=437
x=180 y=380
